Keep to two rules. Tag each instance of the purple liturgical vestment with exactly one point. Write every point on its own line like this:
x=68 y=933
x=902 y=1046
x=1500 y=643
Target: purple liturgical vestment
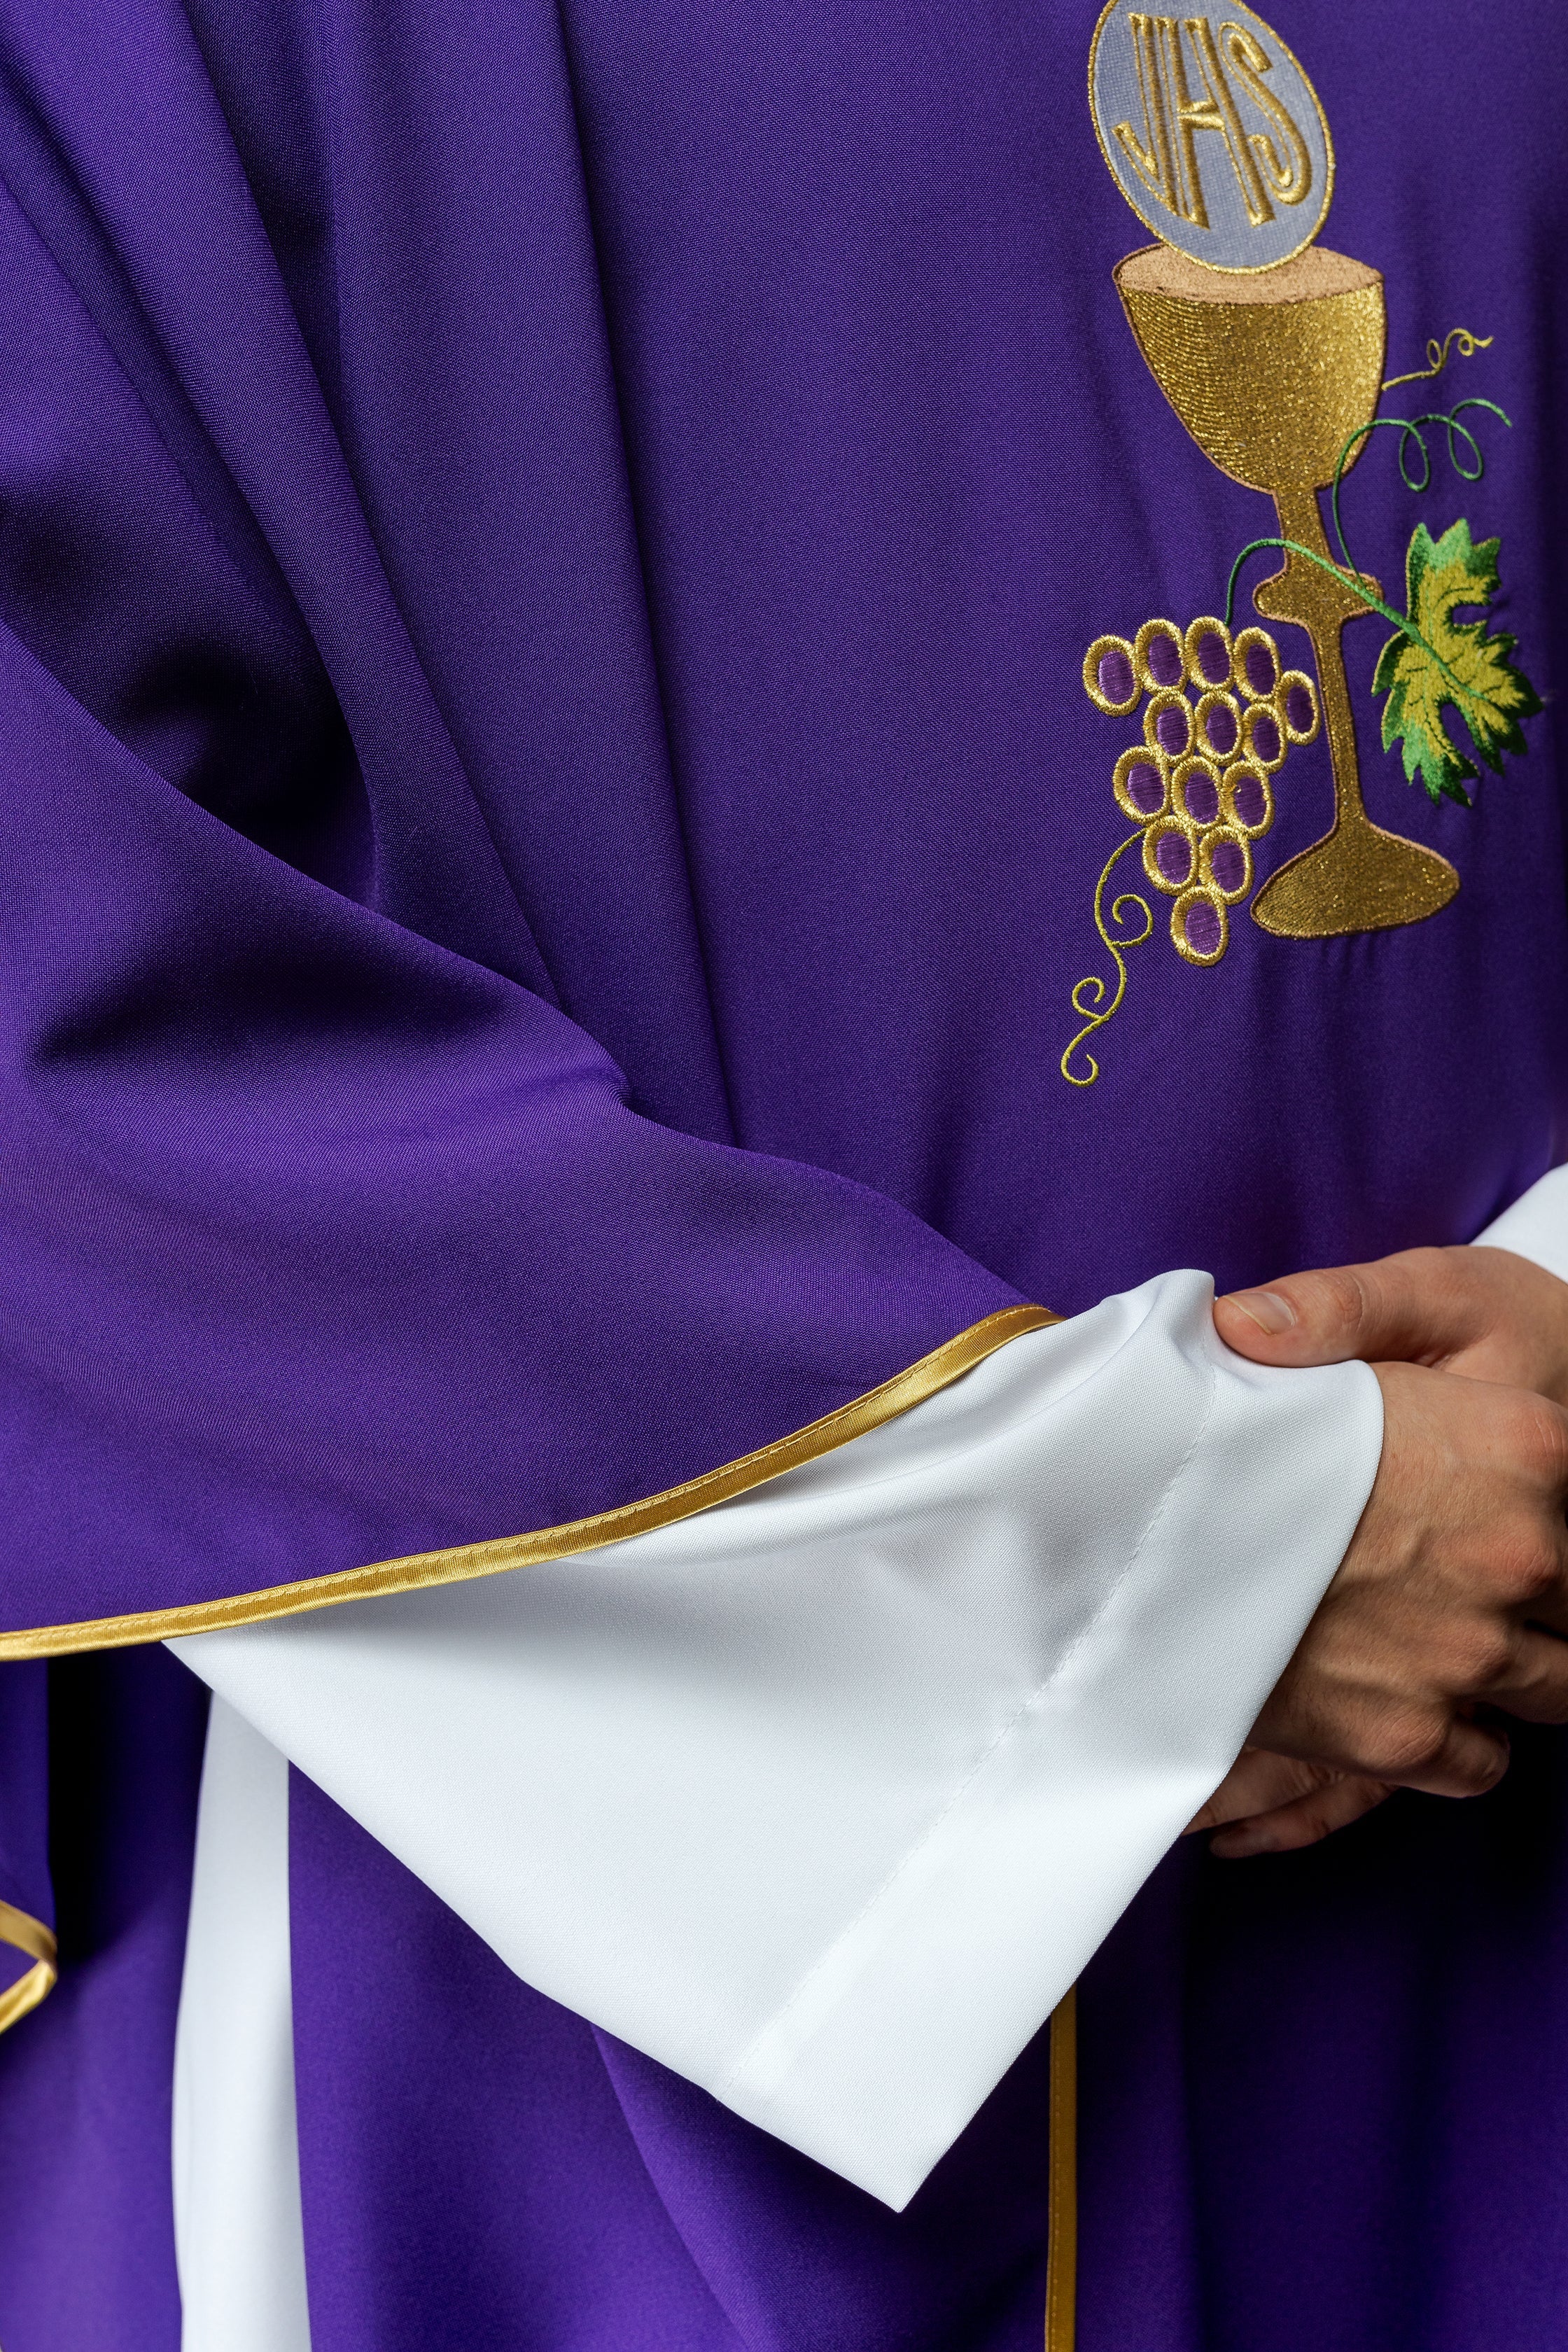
x=552 y=835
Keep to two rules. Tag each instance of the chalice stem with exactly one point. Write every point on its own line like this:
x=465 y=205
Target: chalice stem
x=1358 y=878
x=1320 y=604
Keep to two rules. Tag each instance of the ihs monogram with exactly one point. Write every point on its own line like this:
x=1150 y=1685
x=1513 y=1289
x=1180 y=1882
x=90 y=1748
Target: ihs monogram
x=1274 y=167
x=1214 y=135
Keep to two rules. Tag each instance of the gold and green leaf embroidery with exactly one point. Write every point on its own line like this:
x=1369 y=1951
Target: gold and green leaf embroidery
x=1436 y=664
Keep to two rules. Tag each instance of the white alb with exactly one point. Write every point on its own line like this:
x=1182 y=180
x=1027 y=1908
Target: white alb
x=239 y=2240
x=824 y=1797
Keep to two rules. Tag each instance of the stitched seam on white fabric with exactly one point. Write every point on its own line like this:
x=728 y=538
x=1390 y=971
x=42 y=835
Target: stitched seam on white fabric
x=999 y=1740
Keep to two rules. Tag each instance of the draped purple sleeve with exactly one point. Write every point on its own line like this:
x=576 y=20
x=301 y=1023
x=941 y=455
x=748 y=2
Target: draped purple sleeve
x=329 y=1233
x=326 y=1245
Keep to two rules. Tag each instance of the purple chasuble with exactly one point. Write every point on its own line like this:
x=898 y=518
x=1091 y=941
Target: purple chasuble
x=552 y=829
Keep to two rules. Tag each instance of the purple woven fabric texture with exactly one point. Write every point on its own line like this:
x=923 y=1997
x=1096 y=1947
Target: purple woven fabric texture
x=550 y=821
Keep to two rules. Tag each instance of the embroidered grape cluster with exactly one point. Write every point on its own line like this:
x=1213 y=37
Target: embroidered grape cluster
x=1220 y=716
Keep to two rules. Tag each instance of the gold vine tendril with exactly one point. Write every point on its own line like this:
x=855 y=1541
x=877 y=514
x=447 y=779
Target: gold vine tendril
x=1437 y=355
x=1092 y=1018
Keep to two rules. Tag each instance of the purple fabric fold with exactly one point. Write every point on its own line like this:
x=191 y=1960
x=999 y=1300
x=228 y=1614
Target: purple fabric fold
x=87 y=2247
x=229 y=1082
x=24 y=1880
x=350 y=1247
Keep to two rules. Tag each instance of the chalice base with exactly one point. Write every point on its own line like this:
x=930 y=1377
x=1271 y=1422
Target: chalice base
x=1357 y=879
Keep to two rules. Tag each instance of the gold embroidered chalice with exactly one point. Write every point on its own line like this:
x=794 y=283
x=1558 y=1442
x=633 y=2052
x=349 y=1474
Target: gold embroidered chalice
x=1272 y=373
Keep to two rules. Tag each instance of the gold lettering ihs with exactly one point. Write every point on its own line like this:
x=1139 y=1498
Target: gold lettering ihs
x=1165 y=159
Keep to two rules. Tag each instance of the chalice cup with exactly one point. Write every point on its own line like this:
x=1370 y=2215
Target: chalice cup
x=1271 y=374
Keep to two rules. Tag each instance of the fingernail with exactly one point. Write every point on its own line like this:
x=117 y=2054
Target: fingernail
x=1242 y=1841
x=1272 y=1313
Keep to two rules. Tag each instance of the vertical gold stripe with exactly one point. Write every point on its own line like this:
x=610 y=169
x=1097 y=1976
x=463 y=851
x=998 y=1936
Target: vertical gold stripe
x=25 y=1933
x=1061 y=2258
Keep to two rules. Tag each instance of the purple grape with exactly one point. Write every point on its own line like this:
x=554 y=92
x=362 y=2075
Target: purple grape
x=1265 y=737
x=1164 y=657
x=1249 y=800
x=1117 y=682
x=1299 y=708
x=1260 y=672
x=1173 y=728
x=1173 y=856
x=1144 y=787
x=1202 y=796
x=1228 y=866
x=1213 y=661
x=1203 y=928
x=1220 y=728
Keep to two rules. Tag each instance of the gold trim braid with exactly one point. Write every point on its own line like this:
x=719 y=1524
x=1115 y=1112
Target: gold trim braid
x=464 y=1561
x=1061 y=2255
x=25 y=1933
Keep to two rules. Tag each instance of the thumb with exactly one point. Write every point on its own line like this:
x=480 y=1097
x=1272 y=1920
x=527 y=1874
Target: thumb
x=1410 y=1308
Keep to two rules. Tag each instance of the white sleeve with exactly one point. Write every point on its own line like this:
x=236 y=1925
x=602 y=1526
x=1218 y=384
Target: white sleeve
x=823 y=1798
x=1537 y=1224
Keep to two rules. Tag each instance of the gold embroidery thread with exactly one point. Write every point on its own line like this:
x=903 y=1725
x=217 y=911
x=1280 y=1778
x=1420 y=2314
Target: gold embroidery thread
x=1097 y=1012
x=1270 y=351
x=1271 y=383
x=1198 y=788
x=1169 y=96
x=1437 y=354
x=25 y=1934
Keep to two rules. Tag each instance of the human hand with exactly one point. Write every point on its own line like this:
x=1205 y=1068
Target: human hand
x=1483 y=1313
x=1272 y=1804
x=1450 y=1598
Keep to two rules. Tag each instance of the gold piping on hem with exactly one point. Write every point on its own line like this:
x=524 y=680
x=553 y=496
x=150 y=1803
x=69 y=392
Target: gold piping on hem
x=25 y=1933
x=1061 y=2255
x=464 y=1561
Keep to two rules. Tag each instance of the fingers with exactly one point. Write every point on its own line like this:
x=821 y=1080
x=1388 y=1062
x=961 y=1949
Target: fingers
x=1277 y=1804
x=1420 y=1307
x=1449 y=1596
x=1258 y=1782
x=1268 y=1803
x=1534 y=1685
x=1457 y=1759
x=1483 y=1312
x=1339 y=1798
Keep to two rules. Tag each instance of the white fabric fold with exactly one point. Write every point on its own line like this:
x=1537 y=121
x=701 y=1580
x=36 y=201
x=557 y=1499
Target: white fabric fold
x=238 y=2237
x=823 y=1798
x=1536 y=1226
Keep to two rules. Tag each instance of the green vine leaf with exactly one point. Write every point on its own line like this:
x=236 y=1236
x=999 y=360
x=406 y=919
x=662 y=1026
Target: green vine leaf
x=1437 y=662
